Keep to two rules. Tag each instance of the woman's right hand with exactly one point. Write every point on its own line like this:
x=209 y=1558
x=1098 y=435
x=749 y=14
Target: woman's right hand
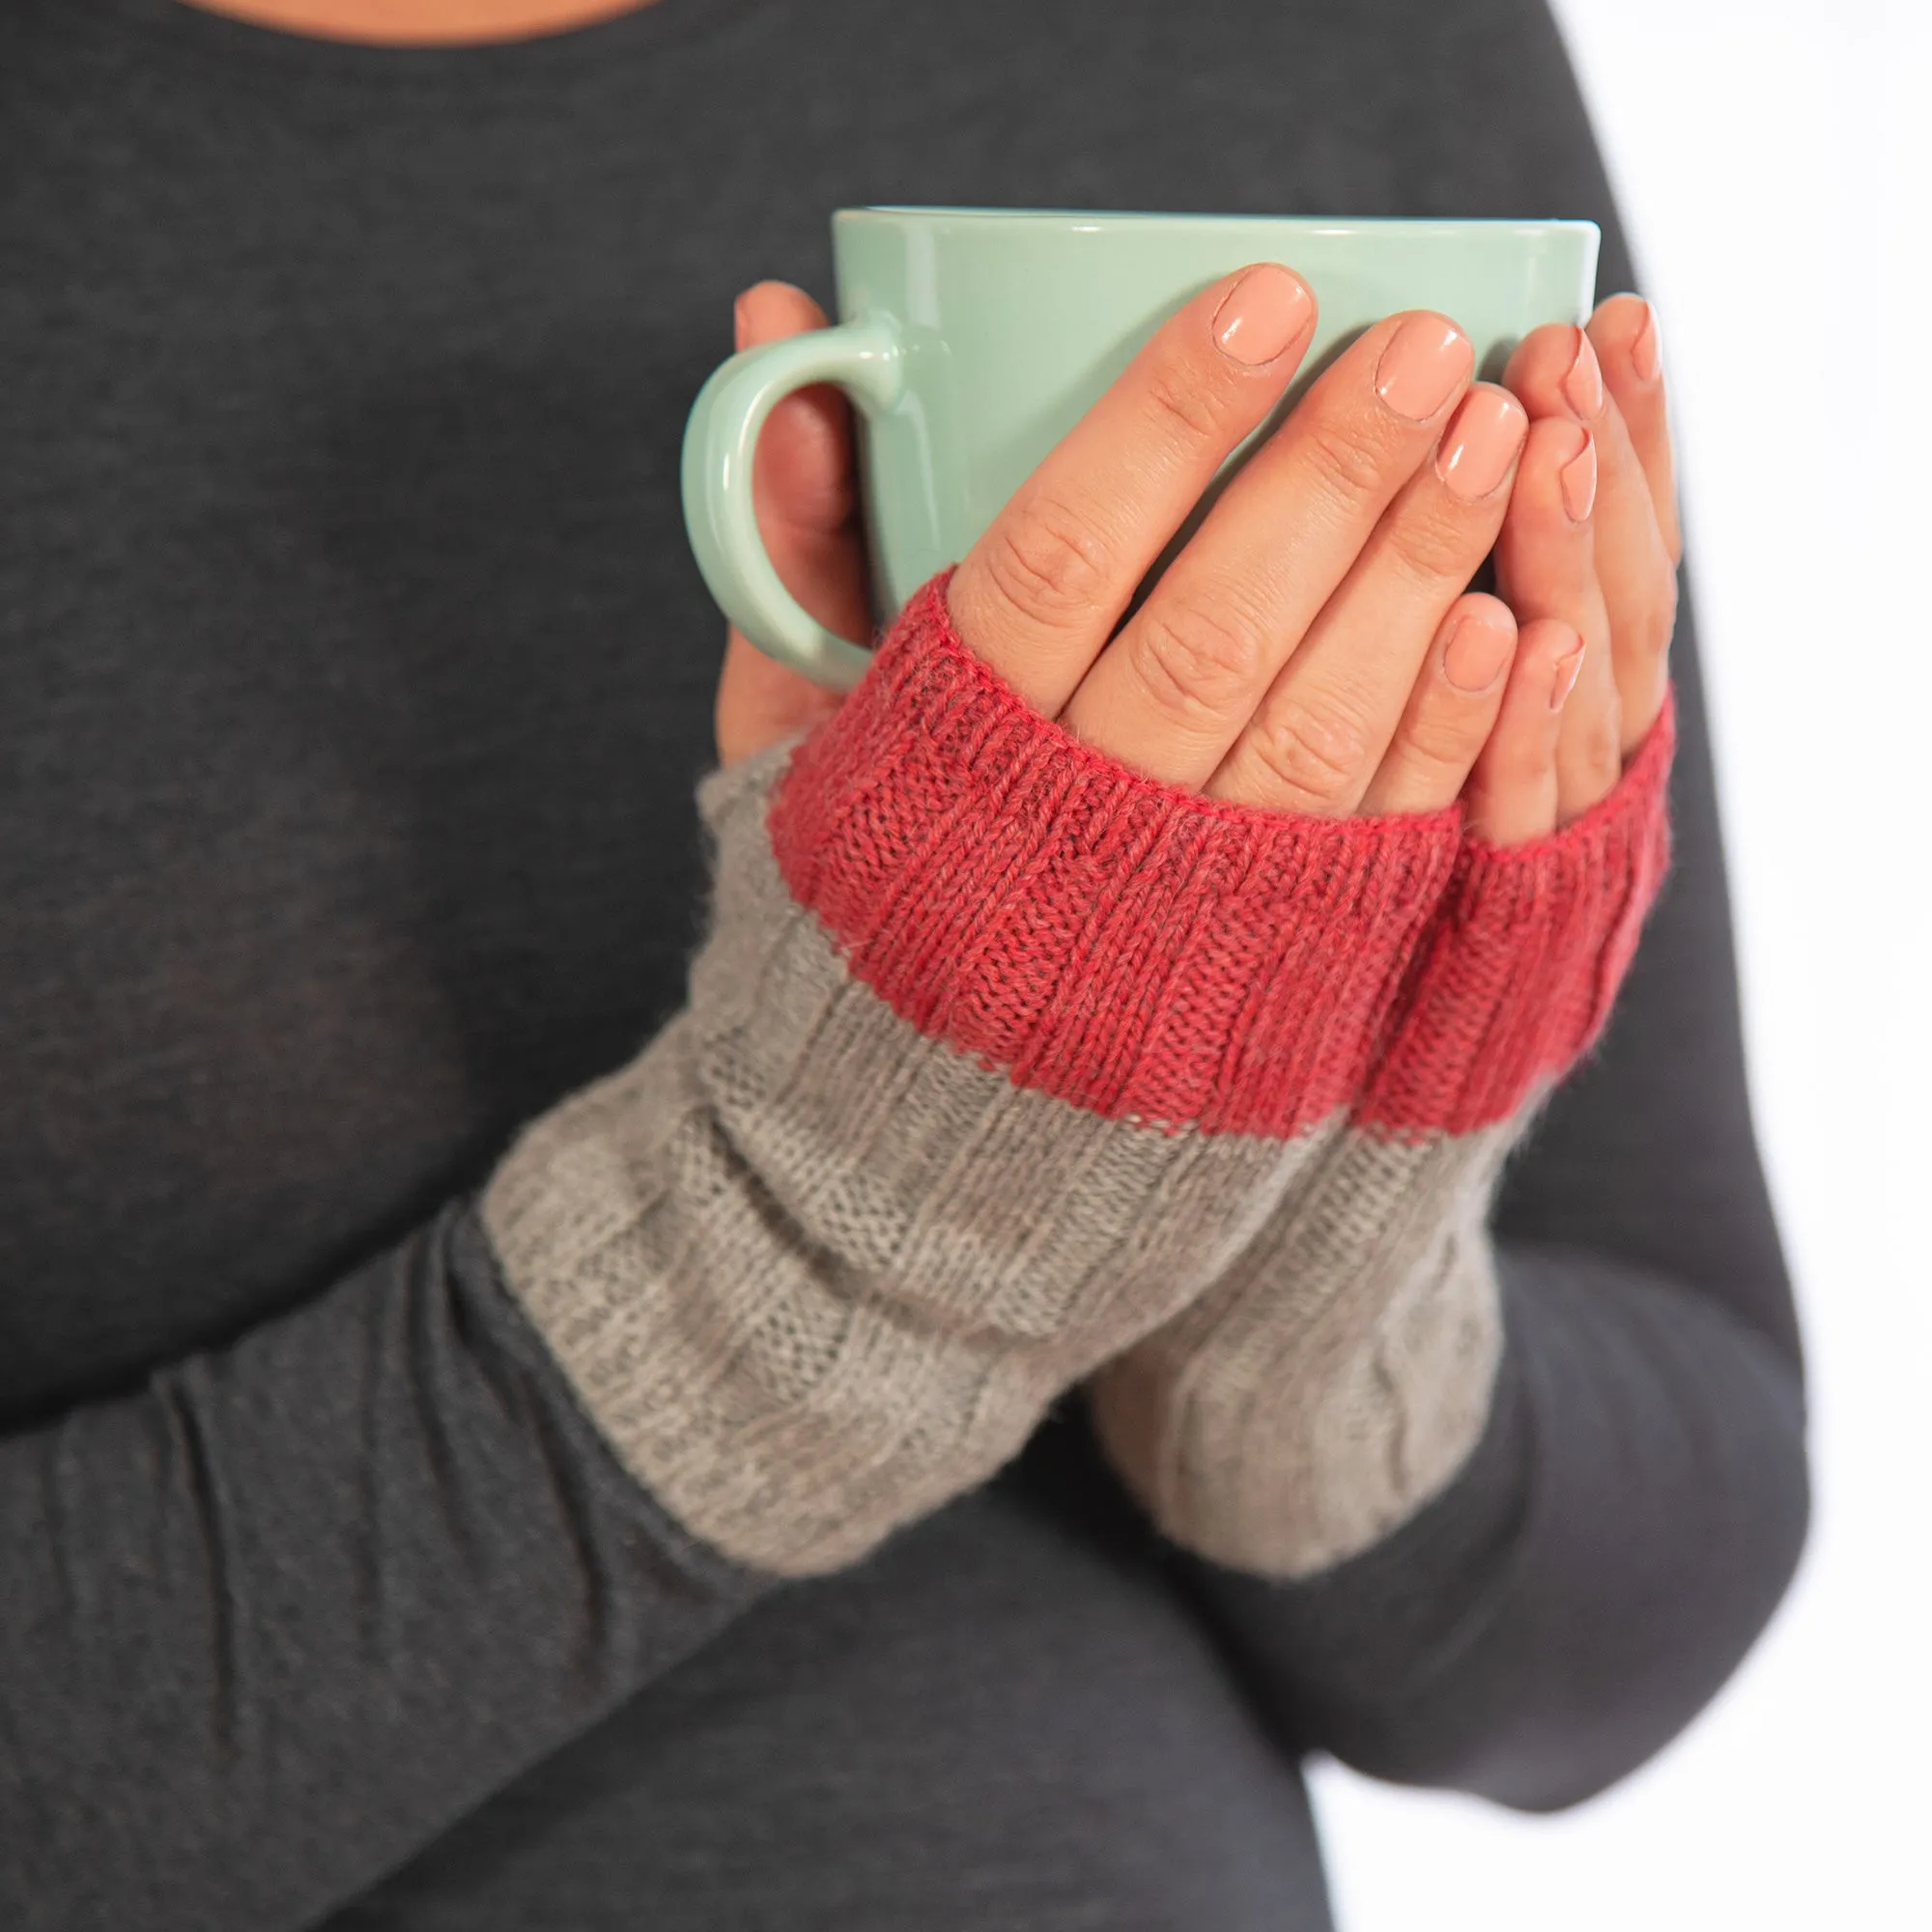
x=1311 y=648
x=1296 y=654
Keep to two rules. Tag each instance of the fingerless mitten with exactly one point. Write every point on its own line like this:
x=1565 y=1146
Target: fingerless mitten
x=1338 y=1376
x=996 y=1057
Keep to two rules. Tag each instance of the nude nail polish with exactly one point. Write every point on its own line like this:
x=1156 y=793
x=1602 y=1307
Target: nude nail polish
x=1262 y=315
x=1583 y=382
x=1578 y=481
x=1567 y=668
x=1427 y=361
x=1646 y=351
x=1479 y=447
x=1475 y=655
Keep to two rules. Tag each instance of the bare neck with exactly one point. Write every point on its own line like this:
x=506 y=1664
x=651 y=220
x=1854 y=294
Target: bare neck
x=421 y=23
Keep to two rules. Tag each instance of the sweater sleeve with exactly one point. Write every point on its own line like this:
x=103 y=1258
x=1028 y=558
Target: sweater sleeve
x=270 y=1625
x=989 y=1062
x=1636 y=1499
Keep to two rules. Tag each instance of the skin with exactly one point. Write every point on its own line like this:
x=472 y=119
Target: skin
x=1292 y=656
x=420 y=23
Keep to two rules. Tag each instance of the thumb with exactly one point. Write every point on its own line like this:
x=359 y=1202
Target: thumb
x=803 y=491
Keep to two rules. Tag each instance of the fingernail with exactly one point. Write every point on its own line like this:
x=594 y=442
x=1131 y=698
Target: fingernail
x=1646 y=351
x=1578 y=479
x=1476 y=653
x=1583 y=385
x=1426 y=363
x=738 y=322
x=1479 y=447
x=1567 y=668
x=1264 y=312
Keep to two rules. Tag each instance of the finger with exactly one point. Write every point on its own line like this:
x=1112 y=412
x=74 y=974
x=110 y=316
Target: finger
x=1452 y=708
x=1544 y=568
x=1623 y=332
x=1174 y=691
x=1513 y=792
x=805 y=497
x=1637 y=579
x=1559 y=374
x=1320 y=733
x=761 y=701
x=804 y=474
x=1040 y=592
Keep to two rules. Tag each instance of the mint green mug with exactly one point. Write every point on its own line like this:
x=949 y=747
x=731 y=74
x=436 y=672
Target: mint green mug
x=972 y=339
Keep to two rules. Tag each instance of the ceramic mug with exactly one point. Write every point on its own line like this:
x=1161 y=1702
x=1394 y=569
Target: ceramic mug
x=972 y=339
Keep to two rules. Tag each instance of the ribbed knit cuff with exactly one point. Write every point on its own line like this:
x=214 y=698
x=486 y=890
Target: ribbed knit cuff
x=1517 y=979
x=1138 y=951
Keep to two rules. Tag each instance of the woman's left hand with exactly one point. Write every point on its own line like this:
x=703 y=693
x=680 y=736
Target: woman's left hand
x=1598 y=543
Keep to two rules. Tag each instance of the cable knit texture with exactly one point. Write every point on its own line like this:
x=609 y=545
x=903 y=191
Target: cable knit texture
x=1002 y=1062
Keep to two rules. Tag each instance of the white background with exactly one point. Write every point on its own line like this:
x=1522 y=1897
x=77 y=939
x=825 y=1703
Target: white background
x=1774 y=169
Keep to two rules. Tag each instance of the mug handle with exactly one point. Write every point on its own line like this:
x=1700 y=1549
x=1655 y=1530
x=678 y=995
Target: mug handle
x=721 y=435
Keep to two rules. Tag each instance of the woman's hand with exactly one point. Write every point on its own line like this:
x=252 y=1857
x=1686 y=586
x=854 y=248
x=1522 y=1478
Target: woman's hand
x=1311 y=648
x=805 y=495
x=1592 y=540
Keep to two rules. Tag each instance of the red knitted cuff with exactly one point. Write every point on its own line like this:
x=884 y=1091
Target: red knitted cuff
x=1136 y=949
x=1514 y=983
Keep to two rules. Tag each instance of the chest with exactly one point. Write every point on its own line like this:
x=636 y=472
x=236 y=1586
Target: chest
x=354 y=671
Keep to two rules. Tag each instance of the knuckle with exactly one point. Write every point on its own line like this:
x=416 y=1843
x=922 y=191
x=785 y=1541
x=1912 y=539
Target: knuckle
x=1348 y=462
x=1431 y=549
x=1316 y=753
x=1517 y=768
x=1179 y=404
x=1049 y=565
x=1195 y=661
x=1527 y=762
x=1594 y=747
x=1435 y=741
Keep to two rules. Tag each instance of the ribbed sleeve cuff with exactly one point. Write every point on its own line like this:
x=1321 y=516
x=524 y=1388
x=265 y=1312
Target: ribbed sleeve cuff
x=1519 y=974
x=1138 y=951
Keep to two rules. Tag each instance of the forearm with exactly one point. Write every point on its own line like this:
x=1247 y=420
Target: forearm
x=1620 y=1534
x=274 y=1622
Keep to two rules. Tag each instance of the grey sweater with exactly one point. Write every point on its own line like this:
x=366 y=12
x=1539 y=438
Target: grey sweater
x=354 y=688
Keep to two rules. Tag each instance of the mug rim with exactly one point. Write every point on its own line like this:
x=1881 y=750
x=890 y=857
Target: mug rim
x=939 y=215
